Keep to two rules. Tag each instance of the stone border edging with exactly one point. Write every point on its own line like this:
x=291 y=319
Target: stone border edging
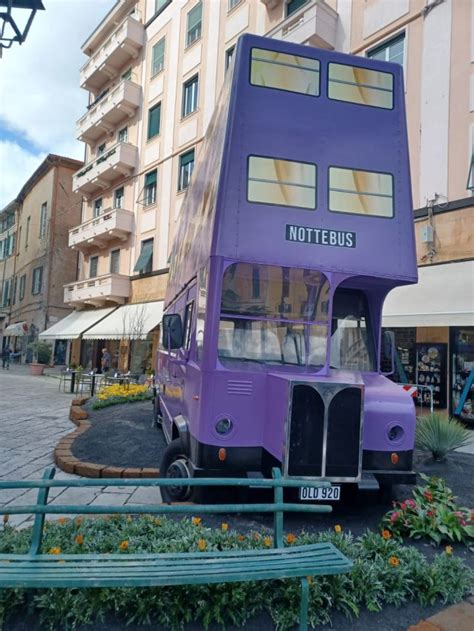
x=65 y=459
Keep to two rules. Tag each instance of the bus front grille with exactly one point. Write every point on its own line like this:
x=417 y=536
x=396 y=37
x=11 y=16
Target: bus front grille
x=325 y=430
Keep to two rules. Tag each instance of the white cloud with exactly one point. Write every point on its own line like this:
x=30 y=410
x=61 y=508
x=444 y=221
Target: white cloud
x=40 y=97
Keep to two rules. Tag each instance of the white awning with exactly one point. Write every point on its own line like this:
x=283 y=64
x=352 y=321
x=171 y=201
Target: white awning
x=131 y=322
x=17 y=329
x=74 y=325
x=444 y=296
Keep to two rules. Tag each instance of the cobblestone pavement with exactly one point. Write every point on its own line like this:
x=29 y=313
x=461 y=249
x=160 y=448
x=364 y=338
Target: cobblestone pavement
x=33 y=417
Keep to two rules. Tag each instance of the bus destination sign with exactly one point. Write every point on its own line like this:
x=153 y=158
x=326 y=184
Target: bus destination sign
x=320 y=236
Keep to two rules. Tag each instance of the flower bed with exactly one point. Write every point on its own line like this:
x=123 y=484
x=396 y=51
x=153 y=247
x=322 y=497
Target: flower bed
x=385 y=573
x=113 y=395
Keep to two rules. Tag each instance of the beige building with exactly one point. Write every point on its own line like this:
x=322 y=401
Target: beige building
x=8 y=228
x=154 y=69
x=42 y=261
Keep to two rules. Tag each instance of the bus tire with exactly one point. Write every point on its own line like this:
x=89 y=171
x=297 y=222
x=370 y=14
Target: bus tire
x=174 y=464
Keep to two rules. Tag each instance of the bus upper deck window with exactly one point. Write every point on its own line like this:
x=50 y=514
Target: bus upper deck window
x=360 y=85
x=271 y=69
x=360 y=192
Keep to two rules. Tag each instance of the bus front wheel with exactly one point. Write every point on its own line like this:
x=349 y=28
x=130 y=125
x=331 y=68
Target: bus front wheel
x=174 y=464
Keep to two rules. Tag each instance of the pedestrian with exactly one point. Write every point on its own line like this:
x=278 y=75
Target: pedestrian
x=7 y=351
x=105 y=361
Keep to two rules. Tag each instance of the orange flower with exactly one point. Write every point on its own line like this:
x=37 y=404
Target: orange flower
x=62 y=520
x=6 y=519
x=224 y=527
x=291 y=538
x=394 y=561
x=309 y=579
x=196 y=521
x=124 y=545
x=78 y=521
x=202 y=544
x=54 y=551
x=79 y=540
x=338 y=528
x=386 y=534
x=448 y=549
x=267 y=541
x=241 y=538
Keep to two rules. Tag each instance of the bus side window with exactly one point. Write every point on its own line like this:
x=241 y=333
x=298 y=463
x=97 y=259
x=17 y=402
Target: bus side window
x=188 y=321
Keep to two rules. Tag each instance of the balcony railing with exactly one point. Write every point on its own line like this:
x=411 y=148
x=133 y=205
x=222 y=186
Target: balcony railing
x=315 y=24
x=117 y=161
x=113 y=223
x=105 y=114
x=123 y=45
x=98 y=291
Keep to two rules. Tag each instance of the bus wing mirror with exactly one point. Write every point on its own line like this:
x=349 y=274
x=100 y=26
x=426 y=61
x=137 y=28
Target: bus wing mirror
x=172 y=331
x=388 y=351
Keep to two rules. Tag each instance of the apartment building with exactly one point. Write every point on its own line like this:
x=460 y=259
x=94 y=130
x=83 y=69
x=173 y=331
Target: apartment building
x=154 y=70
x=8 y=227
x=39 y=260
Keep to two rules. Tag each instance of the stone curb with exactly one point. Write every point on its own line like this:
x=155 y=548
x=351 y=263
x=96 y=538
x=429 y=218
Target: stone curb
x=65 y=460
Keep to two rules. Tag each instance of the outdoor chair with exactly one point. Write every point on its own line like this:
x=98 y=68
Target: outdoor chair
x=65 y=380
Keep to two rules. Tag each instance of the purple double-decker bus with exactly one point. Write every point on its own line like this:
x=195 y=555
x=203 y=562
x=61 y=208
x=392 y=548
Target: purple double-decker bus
x=296 y=226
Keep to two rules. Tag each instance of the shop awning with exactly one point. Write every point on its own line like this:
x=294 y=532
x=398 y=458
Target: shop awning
x=17 y=329
x=444 y=296
x=130 y=322
x=75 y=324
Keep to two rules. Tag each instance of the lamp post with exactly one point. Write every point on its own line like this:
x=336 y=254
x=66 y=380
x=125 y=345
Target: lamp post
x=16 y=17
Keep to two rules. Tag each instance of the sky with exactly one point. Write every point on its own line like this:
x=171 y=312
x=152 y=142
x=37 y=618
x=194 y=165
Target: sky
x=40 y=97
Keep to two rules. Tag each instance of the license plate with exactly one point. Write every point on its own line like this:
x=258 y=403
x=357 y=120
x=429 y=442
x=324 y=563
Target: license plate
x=330 y=493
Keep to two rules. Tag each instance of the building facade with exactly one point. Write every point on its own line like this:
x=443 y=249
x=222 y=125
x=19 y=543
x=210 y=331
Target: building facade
x=154 y=70
x=8 y=229
x=42 y=261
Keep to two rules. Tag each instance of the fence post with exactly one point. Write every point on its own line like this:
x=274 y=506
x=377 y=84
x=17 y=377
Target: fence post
x=278 y=515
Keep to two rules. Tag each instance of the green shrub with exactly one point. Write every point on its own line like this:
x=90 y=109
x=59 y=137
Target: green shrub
x=385 y=572
x=41 y=352
x=440 y=435
x=431 y=513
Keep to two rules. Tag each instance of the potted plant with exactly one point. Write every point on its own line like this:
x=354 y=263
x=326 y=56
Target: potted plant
x=41 y=355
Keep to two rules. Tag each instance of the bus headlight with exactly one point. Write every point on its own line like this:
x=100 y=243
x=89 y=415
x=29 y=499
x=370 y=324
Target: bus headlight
x=395 y=433
x=223 y=426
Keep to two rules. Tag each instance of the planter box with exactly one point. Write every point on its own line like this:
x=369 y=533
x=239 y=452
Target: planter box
x=37 y=369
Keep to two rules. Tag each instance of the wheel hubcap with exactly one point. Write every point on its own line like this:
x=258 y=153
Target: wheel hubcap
x=179 y=469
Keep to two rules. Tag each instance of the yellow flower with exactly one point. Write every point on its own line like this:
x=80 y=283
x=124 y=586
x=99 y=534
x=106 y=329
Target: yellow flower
x=124 y=545
x=338 y=528
x=448 y=549
x=291 y=538
x=267 y=541
x=79 y=540
x=386 y=534
x=394 y=561
x=129 y=518
x=54 y=551
x=157 y=522
x=224 y=527
x=202 y=544
x=196 y=521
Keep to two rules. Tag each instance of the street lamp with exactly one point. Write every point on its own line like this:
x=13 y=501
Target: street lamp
x=16 y=17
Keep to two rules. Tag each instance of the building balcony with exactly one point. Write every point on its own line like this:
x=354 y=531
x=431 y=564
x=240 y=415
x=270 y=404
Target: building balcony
x=122 y=46
x=118 y=161
x=98 y=291
x=104 y=115
x=314 y=24
x=113 y=223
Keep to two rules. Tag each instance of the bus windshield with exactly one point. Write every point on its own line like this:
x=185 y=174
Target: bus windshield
x=274 y=314
x=350 y=341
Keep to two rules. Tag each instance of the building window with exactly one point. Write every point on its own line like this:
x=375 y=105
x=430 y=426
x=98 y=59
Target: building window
x=354 y=84
x=271 y=69
x=193 y=32
x=360 y=192
x=154 y=115
x=6 y=293
x=160 y=5
x=158 y=57
x=43 y=219
x=293 y=5
x=186 y=166
x=122 y=136
x=149 y=196
x=115 y=262
x=93 y=265
x=118 y=197
x=100 y=149
x=127 y=75
x=281 y=182
x=233 y=3
x=144 y=263
x=37 y=283
x=98 y=207
x=393 y=50
x=27 y=234
x=22 y=287
x=229 y=53
x=190 y=96
x=3 y=247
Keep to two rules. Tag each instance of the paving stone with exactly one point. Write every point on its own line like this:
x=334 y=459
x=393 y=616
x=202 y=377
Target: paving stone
x=146 y=495
x=150 y=473
x=88 y=469
x=110 y=499
x=112 y=472
x=131 y=473
x=459 y=617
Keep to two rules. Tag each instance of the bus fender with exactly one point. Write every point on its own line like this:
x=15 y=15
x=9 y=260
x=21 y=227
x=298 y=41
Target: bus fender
x=182 y=427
